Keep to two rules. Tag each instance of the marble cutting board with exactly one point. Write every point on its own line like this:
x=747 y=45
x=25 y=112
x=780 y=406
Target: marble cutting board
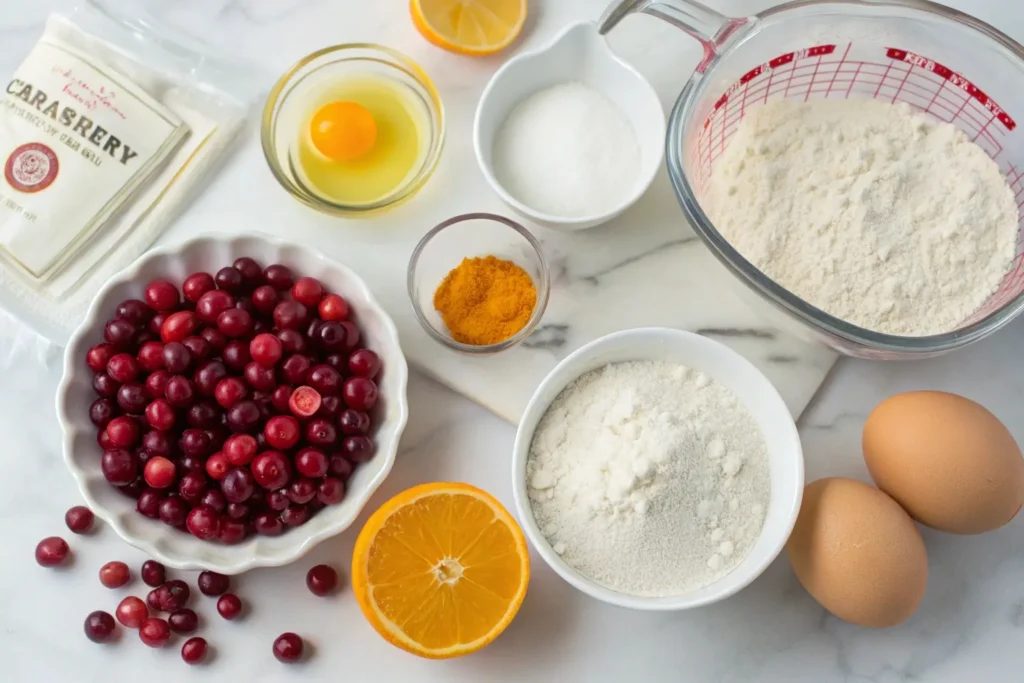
x=646 y=268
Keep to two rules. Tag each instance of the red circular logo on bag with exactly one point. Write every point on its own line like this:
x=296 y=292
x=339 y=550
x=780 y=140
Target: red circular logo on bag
x=32 y=167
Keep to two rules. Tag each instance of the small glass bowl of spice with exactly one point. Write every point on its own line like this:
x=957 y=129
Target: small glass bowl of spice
x=478 y=283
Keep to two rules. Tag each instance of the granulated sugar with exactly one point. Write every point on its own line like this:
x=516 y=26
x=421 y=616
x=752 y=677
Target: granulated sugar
x=649 y=478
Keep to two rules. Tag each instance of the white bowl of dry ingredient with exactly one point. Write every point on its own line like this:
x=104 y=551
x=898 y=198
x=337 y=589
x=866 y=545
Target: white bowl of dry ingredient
x=569 y=136
x=657 y=469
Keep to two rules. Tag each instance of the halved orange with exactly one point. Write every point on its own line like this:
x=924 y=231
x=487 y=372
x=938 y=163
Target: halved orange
x=470 y=27
x=440 y=570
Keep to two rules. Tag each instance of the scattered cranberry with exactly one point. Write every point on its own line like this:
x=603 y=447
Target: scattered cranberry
x=98 y=356
x=154 y=599
x=154 y=632
x=364 y=363
x=153 y=573
x=161 y=295
x=183 y=620
x=331 y=491
x=131 y=612
x=160 y=472
x=203 y=522
x=321 y=579
x=79 y=519
x=229 y=606
x=99 y=626
x=173 y=595
x=270 y=469
x=52 y=551
x=196 y=285
x=212 y=583
x=114 y=574
x=194 y=650
x=288 y=648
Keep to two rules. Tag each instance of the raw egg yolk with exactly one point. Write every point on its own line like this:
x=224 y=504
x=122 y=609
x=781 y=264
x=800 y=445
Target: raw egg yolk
x=343 y=131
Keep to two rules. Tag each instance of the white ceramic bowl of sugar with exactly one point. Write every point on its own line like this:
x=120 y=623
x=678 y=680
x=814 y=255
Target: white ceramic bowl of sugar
x=577 y=55
x=755 y=393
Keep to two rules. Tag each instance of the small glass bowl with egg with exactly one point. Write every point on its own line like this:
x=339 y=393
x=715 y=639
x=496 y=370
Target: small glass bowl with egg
x=353 y=129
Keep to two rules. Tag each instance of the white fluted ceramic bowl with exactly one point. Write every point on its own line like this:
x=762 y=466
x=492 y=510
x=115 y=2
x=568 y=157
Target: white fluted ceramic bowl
x=210 y=253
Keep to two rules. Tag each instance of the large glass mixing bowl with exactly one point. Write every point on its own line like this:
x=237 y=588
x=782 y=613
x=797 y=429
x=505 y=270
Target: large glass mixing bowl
x=937 y=60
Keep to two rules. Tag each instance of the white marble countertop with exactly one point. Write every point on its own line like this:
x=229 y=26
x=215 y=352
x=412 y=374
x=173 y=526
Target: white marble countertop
x=970 y=626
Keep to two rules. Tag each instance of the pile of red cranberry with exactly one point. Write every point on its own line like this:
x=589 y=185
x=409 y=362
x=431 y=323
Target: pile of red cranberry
x=231 y=408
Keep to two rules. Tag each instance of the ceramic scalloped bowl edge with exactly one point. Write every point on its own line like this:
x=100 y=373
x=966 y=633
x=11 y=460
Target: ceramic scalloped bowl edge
x=176 y=548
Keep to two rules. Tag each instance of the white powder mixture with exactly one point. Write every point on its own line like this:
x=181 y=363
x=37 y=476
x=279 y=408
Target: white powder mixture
x=649 y=478
x=869 y=211
x=567 y=151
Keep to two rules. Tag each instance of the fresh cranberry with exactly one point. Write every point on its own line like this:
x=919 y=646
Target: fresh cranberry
x=359 y=393
x=267 y=524
x=157 y=323
x=245 y=303
x=177 y=358
x=281 y=432
x=341 y=466
x=280 y=398
x=243 y=416
x=157 y=443
x=102 y=411
x=160 y=415
x=295 y=369
x=240 y=449
x=153 y=600
x=159 y=472
x=236 y=355
x=134 y=311
x=120 y=333
x=266 y=349
x=357 y=448
x=154 y=632
x=325 y=379
x=204 y=415
x=251 y=271
x=132 y=398
x=132 y=489
x=290 y=315
x=330 y=406
x=212 y=583
x=237 y=511
x=279 y=277
x=203 y=522
x=214 y=337
x=114 y=574
x=364 y=363
x=52 y=551
x=196 y=285
x=278 y=500
x=231 y=532
x=98 y=356
x=208 y=375
x=183 y=620
x=151 y=356
x=120 y=466
x=131 y=612
x=333 y=307
x=229 y=606
x=123 y=367
x=302 y=491
x=105 y=385
x=79 y=519
x=292 y=341
x=295 y=515
x=156 y=384
x=178 y=326
x=194 y=650
x=270 y=469
x=153 y=573
x=321 y=580
x=331 y=491
x=229 y=279
x=148 y=503
x=99 y=626
x=192 y=487
x=352 y=340
x=353 y=422
x=259 y=377
x=234 y=323
x=214 y=499
x=237 y=485
x=173 y=511
x=198 y=347
x=194 y=442
x=338 y=361
x=161 y=295
x=179 y=391
x=264 y=299
x=212 y=304
x=321 y=432
x=288 y=648
x=308 y=291
x=217 y=466
x=103 y=439
x=311 y=462
x=174 y=595
x=332 y=336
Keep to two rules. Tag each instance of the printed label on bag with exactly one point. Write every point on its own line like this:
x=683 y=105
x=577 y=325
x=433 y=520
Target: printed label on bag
x=31 y=168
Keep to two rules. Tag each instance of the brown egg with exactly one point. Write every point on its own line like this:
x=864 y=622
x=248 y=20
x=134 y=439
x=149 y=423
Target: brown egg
x=949 y=462
x=858 y=553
